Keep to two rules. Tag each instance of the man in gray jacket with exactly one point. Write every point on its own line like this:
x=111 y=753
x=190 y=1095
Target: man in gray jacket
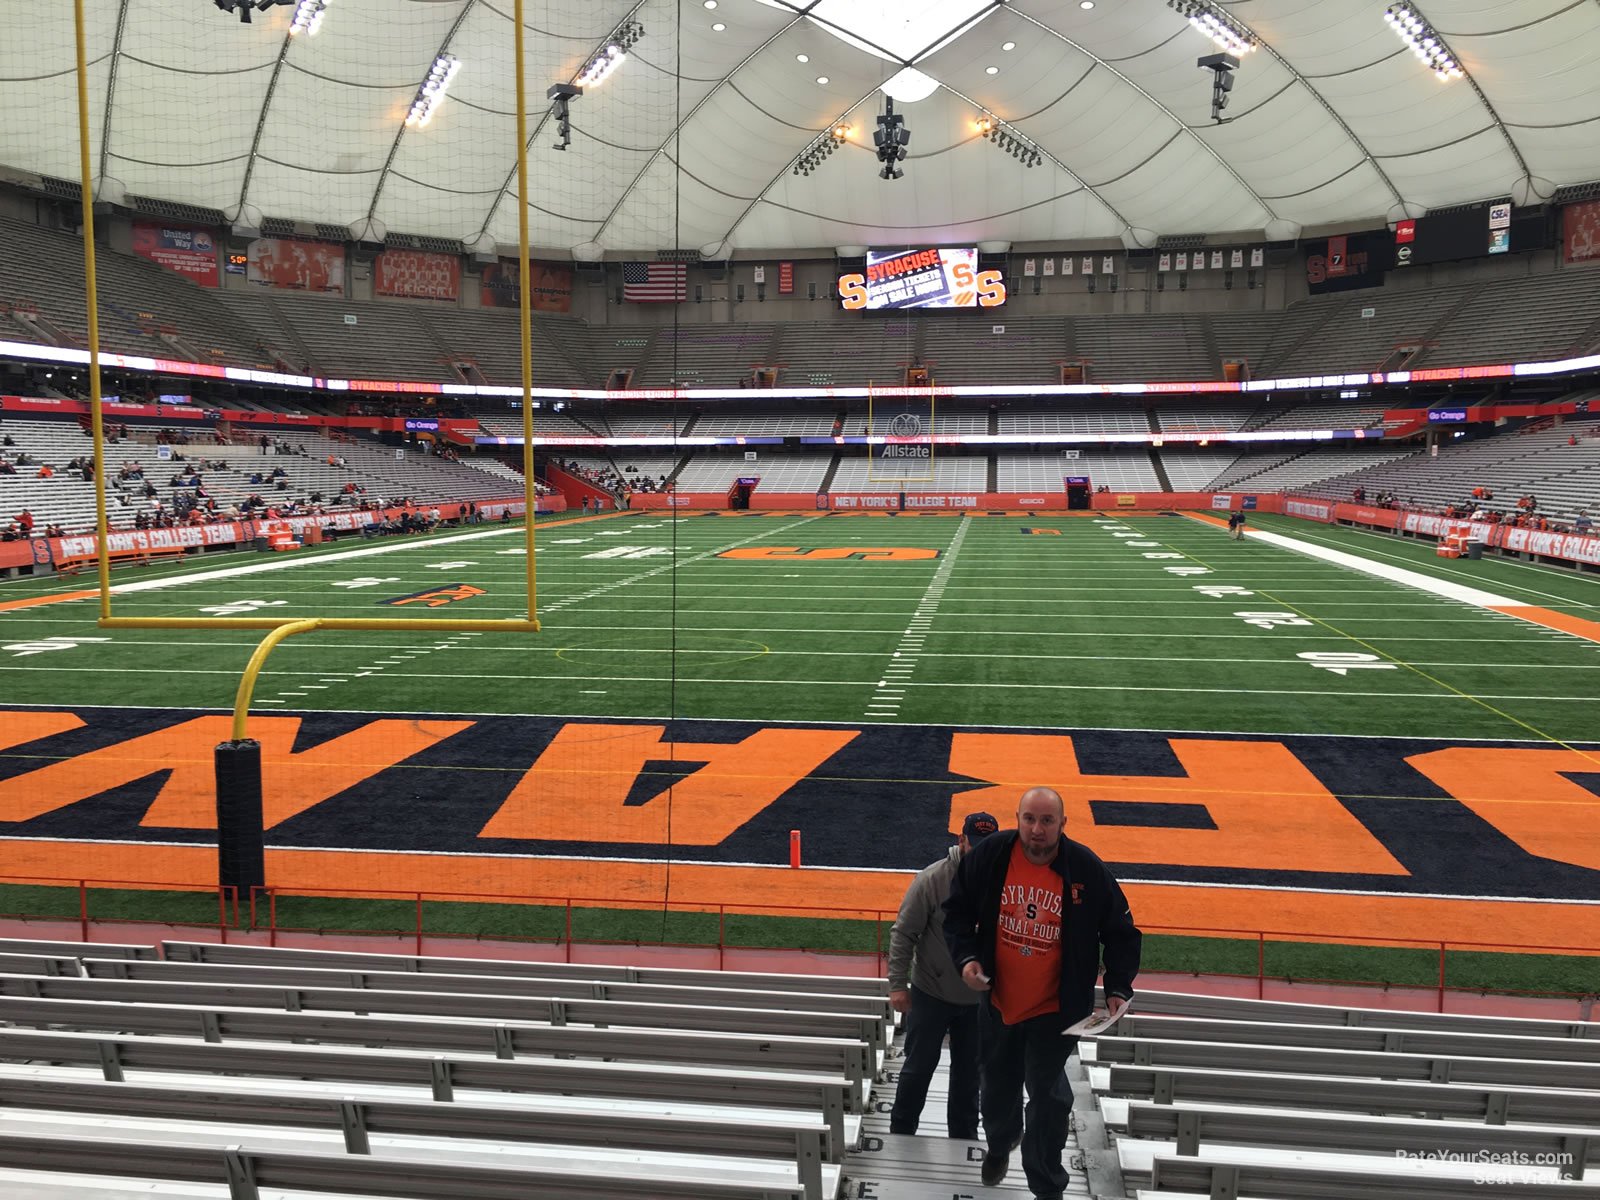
x=924 y=983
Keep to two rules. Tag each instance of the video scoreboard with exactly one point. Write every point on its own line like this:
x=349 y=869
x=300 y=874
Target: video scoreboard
x=932 y=277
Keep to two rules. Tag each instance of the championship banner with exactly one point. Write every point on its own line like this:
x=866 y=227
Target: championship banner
x=191 y=253
x=499 y=286
x=900 y=433
x=785 y=278
x=417 y=275
x=296 y=265
x=1580 y=231
x=552 y=287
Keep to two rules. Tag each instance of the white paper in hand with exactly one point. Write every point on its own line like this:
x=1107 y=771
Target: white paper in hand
x=1095 y=1023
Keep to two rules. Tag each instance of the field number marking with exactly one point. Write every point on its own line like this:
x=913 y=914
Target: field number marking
x=1342 y=662
x=1268 y=620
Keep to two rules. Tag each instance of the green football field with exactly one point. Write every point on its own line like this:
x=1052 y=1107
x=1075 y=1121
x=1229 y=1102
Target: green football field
x=643 y=618
x=1257 y=739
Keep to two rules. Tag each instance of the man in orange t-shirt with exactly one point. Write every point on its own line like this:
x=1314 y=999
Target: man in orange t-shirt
x=1028 y=916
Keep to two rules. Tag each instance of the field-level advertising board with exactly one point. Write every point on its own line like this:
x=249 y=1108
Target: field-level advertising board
x=922 y=278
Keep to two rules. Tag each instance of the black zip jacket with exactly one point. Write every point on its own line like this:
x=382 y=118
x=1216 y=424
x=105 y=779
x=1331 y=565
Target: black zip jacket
x=1097 y=915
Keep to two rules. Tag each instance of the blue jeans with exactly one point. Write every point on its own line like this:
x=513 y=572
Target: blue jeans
x=1030 y=1054
x=929 y=1019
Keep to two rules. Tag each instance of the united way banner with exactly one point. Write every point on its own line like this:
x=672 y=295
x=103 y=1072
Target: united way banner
x=296 y=265
x=418 y=275
x=182 y=250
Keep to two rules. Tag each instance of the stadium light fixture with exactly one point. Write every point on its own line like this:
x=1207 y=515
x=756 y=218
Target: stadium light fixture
x=1011 y=140
x=1423 y=41
x=308 y=17
x=821 y=148
x=1217 y=24
x=612 y=55
x=434 y=86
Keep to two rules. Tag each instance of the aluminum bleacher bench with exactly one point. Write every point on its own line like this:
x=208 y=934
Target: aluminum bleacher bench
x=1187 y=1004
x=38 y=964
x=245 y=1172
x=1189 y=1126
x=1245 y=1173
x=357 y=1121
x=868 y=1015
x=215 y=952
x=1496 y=1105
x=114 y=1054
x=103 y=1005
x=76 y=949
x=1305 y=1060
x=348 y=994
x=1488 y=1044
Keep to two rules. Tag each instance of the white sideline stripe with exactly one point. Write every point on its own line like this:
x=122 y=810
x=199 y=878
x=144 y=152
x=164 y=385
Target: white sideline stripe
x=147 y=585
x=1414 y=579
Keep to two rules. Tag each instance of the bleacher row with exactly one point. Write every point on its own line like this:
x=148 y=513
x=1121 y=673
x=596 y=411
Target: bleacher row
x=67 y=499
x=147 y=310
x=246 y=1071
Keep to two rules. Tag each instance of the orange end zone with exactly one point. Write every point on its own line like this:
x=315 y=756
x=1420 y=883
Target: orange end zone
x=1239 y=912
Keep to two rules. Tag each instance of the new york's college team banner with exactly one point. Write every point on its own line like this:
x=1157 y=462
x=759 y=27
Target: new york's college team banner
x=418 y=275
x=296 y=265
x=186 y=251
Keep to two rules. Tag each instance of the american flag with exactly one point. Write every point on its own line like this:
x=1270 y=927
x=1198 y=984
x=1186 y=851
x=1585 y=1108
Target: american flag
x=645 y=282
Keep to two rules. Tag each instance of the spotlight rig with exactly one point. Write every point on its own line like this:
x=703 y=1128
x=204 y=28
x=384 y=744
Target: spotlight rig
x=1010 y=140
x=821 y=149
x=243 y=7
x=891 y=138
x=1222 y=67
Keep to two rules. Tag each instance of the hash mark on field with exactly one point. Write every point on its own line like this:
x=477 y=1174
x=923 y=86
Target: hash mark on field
x=886 y=700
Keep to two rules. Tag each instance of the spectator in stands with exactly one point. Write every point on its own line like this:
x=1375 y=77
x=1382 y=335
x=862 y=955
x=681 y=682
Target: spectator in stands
x=6 y=468
x=25 y=522
x=46 y=473
x=924 y=984
x=11 y=533
x=1034 y=955
x=1581 y=523
x=54 y=531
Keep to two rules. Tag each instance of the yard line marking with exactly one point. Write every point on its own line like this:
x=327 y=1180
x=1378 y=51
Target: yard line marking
x=1426 y=583
x=911 y=640
x=592 y=593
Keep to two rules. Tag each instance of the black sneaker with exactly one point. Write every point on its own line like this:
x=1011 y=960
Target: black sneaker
x=996 y=1163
